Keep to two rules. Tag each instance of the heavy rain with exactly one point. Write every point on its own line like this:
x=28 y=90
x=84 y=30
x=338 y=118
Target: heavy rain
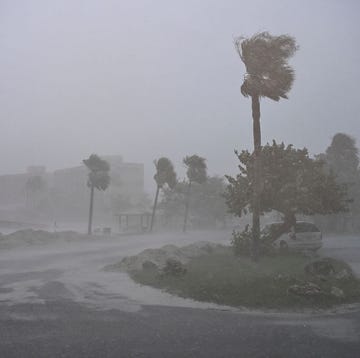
x=179 y=179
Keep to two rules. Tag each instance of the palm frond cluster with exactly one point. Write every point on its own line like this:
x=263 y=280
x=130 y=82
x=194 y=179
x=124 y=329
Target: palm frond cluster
x=165 y=173
x=196 y=168
x=99 y=169
x=268 y=73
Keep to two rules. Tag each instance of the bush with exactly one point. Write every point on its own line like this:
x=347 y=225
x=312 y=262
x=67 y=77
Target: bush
x=149 y=266
x=328 y=267
x=225 y=279
x=241 y=243
x=174 y=267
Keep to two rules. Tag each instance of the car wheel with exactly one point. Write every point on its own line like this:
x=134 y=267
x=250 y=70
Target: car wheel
x=284 y=247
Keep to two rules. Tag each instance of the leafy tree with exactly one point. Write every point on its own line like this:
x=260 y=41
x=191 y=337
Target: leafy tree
x=292 y=183
x=343 y=160
x=196 y=173
x=98 y=178
x=207 y=202
x=172 y=202
x=267 y=75
x=342 y=157
x=165 y=174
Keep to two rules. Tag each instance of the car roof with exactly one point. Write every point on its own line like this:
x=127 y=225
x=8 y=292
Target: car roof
x=281 y=222
x=298 y=223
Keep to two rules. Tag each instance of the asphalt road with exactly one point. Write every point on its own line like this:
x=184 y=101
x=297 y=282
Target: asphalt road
x=56 y=301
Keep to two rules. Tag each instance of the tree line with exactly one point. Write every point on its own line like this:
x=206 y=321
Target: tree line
x=326 y=186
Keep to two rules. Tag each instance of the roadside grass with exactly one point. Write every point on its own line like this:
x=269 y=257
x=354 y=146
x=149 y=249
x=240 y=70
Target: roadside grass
x=225 y=279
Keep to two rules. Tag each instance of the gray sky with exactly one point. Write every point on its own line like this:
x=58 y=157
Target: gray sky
x=161 y=78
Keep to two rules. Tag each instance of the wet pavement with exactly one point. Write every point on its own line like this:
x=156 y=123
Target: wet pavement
x=57 y=301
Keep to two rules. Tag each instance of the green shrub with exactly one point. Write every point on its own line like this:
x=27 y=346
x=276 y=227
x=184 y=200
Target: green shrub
x=174 y=267
x=241 y=243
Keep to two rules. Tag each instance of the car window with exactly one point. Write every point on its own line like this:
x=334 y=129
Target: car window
x=271 y=227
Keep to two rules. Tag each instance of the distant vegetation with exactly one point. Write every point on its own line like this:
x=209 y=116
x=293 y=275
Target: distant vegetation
x=207 y=208
x=342 y=160
x=98 y=178
x=165 y=174
x=196 y=173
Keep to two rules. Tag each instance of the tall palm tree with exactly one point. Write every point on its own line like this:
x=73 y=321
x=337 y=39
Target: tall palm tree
x=267 y=75
x=98 y=178
x=165 y=174
x=196 y=172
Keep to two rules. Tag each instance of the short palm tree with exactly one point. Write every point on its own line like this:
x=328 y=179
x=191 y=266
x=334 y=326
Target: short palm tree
x=267 y=75
x=165 y=174
x=196 y=172
x=98 y=178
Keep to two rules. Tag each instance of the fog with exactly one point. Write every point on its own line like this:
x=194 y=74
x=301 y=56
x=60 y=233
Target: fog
x=145 y=79
x=125 y=227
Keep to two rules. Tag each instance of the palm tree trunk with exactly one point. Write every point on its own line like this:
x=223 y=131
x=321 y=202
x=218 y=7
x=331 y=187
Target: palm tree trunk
x=256 y=196
x=154 y=208
x=289 y=221
x=91 y=209
x=187 y=206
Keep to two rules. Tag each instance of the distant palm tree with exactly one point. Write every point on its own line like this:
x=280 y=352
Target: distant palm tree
x=165 y=174
x=196 y=172
x=267 y=75
x=98 y=178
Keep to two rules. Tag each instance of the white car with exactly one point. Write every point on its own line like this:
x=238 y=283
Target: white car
x=305 y=237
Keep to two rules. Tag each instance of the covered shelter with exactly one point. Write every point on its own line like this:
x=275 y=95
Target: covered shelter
x=134 y=221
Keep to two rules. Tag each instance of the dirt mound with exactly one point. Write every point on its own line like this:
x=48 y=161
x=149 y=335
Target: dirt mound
x=30 y=237
x=328 y=267
x=160 y=256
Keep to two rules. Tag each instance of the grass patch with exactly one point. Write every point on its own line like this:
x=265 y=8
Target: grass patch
x=222 y=278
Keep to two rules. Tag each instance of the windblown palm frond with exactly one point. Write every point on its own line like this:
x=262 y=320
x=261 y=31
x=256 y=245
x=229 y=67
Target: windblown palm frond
x=99 y=169
x=267 y=71
x=165 y=173
x=196 y=168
